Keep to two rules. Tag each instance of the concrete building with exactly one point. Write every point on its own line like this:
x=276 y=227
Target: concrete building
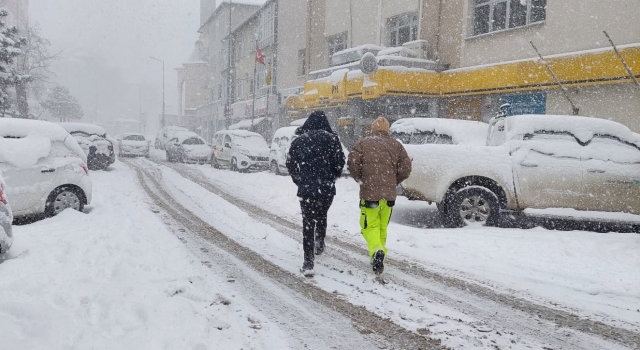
x=463 y=59
x=212 y=48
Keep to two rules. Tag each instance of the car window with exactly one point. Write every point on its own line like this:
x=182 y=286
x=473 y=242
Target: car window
x=227 y=139
x=555 y=143
x=610 y=148
x=193 y=141
x=276 y=140
x=59 y=149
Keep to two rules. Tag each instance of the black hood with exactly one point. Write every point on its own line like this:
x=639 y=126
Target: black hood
x=316 y=121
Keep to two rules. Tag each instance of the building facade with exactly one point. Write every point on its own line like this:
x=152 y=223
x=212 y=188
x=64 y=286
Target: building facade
x=464 y=58
x=18 y=13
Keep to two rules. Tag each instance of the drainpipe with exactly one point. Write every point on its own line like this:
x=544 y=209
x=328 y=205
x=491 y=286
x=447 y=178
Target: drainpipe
x=437 y=55
x=420 y=4
x=379 y=32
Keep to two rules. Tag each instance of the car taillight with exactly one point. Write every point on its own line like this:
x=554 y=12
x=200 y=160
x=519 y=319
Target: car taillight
x=84 y=167
x=3 y=199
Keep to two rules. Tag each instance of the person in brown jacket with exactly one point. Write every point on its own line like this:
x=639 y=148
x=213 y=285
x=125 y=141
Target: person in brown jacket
x=378 y=163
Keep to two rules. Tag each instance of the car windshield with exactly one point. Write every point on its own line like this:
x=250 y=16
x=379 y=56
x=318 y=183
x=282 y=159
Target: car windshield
x=193 y=141
x=252 y=141
x=85 y=134
x=134 y=138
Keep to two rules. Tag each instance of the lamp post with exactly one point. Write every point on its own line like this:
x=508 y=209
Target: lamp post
x=163 y=111
x=140 y=105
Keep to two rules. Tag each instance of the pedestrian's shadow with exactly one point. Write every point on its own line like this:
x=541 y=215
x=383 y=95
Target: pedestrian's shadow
x=416 y=214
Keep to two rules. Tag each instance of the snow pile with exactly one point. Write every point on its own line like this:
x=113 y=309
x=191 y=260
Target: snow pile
x=583 y=128
x=24 y=152
x=116 y=278
x=461 y=131
x=90 y=129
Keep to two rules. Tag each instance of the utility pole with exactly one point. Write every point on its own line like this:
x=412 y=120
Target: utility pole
x=227 y=109
x=162 y=120
x=139 y=105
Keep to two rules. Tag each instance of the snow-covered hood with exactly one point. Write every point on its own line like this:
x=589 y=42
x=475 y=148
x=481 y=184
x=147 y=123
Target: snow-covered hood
x=254 y=151
x=197 y=150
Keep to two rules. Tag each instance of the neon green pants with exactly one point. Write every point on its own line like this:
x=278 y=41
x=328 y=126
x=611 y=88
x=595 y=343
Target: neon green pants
x=374 y=222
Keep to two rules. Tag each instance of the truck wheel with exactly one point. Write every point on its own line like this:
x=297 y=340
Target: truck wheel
x=471 y=205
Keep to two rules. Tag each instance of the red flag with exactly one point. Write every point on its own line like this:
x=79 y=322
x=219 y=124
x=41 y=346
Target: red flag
x=259 y=55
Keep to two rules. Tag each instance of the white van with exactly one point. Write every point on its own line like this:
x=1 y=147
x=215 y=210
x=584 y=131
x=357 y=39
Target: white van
x=239 y=150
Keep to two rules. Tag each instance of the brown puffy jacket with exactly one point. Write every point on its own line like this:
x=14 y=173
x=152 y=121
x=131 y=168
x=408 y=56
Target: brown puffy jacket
x=379 y=163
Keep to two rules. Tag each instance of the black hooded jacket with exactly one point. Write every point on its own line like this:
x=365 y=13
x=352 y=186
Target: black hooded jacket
x=315 y=158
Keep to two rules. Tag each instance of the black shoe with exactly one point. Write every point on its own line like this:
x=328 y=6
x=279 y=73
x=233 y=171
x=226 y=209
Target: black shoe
x=378 y=262
x=319 y=247
x=307 y=269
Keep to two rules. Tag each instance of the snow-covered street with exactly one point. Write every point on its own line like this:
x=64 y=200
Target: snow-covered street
x=145 y=267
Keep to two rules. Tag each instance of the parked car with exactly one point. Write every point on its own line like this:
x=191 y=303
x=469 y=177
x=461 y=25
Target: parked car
x=187 y=147
x=530 y=161
x=420 y=131
x=279 y=149
x=44 y=168
x=6 y=219
x=95 y=142
x=133 y=145
x=165 y=134
x=240 y=150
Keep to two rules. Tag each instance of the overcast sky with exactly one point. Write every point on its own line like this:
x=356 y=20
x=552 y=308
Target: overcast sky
x=122 y=33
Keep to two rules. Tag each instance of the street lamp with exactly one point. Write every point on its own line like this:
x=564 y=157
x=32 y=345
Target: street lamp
x=140 y=105
x=163 y=111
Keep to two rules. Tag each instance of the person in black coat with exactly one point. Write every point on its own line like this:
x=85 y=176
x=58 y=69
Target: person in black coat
x=315 y=162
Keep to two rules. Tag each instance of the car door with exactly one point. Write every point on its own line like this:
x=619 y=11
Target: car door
x=612 y=177
x=27 y=186
x=226 y=149
x=548 y=170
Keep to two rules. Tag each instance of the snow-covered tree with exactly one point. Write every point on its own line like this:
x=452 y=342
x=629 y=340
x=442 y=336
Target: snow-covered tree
x=10 y=45
x=34 y=61
x=62 y=105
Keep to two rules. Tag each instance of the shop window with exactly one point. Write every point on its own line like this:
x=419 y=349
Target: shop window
x=495 y=15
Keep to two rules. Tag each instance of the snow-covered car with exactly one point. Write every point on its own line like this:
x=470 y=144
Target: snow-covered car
x=95 y=142
x=420 y=131
x=240 y=150
x=133 y=145
x=165 y=134
x=530 y=161
x=44 y=168
x=187 y=147
x=6 y=219
x=279 y=149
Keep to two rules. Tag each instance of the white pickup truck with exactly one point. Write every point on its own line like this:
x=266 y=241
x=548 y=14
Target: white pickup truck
x=530 y=161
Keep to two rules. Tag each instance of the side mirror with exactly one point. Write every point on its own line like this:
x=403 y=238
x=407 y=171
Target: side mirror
x=227 y=145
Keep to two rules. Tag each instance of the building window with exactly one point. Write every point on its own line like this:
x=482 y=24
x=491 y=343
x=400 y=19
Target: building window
x=302 y=62
x=337 y=43
x=267 y=27
x=403 y=28
x=495 y=15
x=241 y=89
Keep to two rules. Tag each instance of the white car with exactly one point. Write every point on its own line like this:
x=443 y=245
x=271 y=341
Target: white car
x=44 y=168
x=95 y=142
x=6 y=219
x=133 y=145
x=279 y=150
x=421 y=131
x=165 y=134
x=530 y=162
x=187 y=147
x=240 y=150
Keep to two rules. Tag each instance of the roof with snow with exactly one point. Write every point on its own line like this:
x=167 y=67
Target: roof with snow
x=91 y=129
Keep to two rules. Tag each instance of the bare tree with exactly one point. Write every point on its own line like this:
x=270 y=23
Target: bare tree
x=35 y=61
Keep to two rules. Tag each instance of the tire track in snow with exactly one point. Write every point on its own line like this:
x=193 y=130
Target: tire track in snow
x=363 y=321
x=536 y=312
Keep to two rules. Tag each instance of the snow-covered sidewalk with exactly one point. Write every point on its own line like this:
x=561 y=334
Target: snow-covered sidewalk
x=117 y=278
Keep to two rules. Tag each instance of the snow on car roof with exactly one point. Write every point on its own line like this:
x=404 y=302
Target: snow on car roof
x=23 y=142
x=461 y=131
x=183 y=135
x=285 y=131
x=583 y=128
x=90 y=129
x=242 y=133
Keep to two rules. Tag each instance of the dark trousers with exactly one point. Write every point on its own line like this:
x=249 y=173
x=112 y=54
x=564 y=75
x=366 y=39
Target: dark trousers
x=314 y=223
